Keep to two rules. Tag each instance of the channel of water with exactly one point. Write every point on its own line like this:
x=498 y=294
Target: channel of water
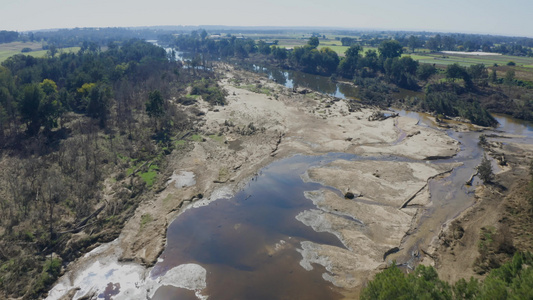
x=248 y=243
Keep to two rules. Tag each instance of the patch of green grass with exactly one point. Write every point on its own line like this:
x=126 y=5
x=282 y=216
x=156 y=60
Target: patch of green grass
x=415 y=56
x=468 y=60
x=257 y=89
x=145 y=219
x=337 y=48
x=196 y=138
x=149 y=176
x=179 y=143
x=6 y=53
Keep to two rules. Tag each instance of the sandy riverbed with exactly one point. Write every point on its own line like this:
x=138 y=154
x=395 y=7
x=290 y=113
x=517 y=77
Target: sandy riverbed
x=287 y=123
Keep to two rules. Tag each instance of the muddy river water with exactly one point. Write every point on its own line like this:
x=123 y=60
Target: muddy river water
x=249 y=244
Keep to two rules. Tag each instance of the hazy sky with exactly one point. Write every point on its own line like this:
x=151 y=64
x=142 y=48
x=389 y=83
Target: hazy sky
x=510 y=17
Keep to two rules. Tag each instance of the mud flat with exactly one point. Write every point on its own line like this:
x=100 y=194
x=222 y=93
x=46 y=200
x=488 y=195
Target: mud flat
x=389 y=182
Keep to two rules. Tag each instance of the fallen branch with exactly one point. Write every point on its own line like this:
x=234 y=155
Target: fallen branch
x=83 y=223
x=469 y=181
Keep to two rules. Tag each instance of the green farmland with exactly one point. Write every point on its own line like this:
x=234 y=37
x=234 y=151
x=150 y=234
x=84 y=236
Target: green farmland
x=444 y=59
x=9 y=49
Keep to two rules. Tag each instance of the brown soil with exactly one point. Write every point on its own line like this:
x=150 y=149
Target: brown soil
x=501 y=207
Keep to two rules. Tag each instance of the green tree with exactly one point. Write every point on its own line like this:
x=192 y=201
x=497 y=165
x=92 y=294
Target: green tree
x=370 y=60
x=478 y=73
x=466 y=290
x=349 y=63
x=329 y=61
x=389 y=284
x=432 y=44
x=424 y=283
x=401 y=71
x=509 y=77
x=29 y=107
x=425 y=71
x=313 y=42
x=279 y=53
x=493 y=76
x=49 y=87
x=485 y=170
x=413 y=42
x=98 y=104
x=154 y=105
x=390 y=49
x=263 y=47
x=52 y=50
x=50 y=108
x=455 y=71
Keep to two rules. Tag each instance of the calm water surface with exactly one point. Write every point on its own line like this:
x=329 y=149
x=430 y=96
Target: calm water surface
x=248 y=243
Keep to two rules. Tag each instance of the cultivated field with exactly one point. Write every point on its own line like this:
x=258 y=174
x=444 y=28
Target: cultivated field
x=468 y=60
x=10 y=49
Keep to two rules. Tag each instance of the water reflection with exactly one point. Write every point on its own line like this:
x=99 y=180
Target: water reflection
x=291 y=79
x=248 y=243
x=514 y=126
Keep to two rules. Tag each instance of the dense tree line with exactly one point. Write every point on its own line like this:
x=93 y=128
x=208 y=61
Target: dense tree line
x=101 y=36
x=519 y=46
x=8 y=36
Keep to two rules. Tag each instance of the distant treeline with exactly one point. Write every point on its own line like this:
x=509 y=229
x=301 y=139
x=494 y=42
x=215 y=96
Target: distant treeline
x=8 y=36
x=520 y=46
x=452 y=42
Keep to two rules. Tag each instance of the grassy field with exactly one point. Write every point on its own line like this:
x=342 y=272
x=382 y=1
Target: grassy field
x=468 y=60
x=10 y=49
x=339 y=49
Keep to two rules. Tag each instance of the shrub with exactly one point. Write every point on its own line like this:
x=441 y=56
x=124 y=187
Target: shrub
x=485 y=170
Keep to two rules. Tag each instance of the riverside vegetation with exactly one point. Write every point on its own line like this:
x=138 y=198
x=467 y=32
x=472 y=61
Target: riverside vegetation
x=83 y=138
x=383 y=75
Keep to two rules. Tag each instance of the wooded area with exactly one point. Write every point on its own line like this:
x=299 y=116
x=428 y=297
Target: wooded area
x=76 y=128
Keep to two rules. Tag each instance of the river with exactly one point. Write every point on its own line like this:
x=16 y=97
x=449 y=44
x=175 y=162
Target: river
x=249 y=243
